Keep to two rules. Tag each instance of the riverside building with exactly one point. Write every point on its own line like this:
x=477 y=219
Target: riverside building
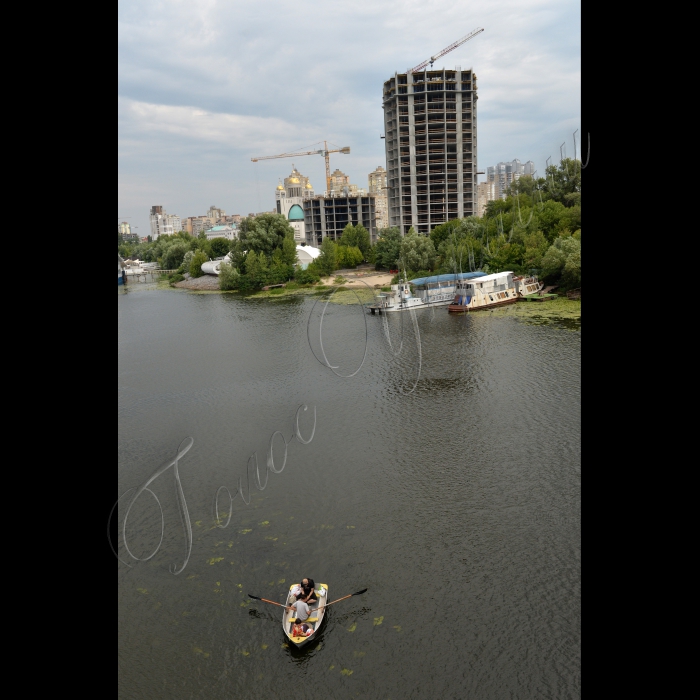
x=329 y=215
x=430 y=141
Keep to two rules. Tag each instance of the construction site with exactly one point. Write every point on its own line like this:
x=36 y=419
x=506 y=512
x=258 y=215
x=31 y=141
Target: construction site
x=430 y=132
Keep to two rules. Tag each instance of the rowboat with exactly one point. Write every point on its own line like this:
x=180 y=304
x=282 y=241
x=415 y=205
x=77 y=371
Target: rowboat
x=318 y=611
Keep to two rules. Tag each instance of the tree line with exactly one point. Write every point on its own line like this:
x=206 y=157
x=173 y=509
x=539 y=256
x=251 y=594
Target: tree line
x=535 y=230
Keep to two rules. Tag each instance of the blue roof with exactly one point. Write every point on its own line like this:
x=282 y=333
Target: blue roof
x=447 y=278
x=218 y=228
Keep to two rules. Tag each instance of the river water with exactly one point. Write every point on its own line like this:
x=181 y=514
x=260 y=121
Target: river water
x=454 y=499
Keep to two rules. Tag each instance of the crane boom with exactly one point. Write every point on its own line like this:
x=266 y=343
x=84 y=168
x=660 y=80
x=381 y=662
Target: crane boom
x=451 y=47
x=323 y=152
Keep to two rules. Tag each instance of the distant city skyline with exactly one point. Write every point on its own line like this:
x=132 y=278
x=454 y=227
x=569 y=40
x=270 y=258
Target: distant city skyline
x=191 y=119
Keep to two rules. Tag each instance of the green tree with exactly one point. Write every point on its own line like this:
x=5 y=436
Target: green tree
x=173 y=256
x=417 y=252
x=229 y=277
x=264 y=233
x=388 y=247
x=327 y=262
x=349 y=256
x=289 y=251
x=196 y=264
x=219 y=247
x=556 y=258
x=356 y=236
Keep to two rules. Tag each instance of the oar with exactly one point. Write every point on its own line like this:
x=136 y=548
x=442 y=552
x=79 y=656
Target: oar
x=265 y=600
x=344 y=597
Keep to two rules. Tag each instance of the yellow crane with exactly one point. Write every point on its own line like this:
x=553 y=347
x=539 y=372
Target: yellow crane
x=322 y=152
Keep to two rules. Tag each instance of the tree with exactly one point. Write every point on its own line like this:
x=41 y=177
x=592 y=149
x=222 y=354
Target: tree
x=219 y=247
x=196 y=264
x=557 y=256
x=289 y=250
x=356 y=236
x=327 y=262
x=417 y=252
x=349 y=256
x=229 y=277
x=264 y=233
x=388 y=247
x=174 y=255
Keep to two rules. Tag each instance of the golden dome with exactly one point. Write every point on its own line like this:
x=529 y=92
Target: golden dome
x=280 y=187
x=308 y=186
x=294 y=180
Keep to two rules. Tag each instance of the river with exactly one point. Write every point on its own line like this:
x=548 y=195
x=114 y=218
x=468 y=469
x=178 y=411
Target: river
x=444 y=477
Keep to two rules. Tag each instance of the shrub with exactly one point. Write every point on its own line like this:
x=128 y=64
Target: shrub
x=308 y=276
x=174 y=279
x=229 y=277
x=196 y=264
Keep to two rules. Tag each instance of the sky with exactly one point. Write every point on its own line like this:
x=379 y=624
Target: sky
x=205 y=85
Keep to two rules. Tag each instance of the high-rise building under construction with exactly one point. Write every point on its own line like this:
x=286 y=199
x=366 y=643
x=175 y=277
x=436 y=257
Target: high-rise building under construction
x=430 y=130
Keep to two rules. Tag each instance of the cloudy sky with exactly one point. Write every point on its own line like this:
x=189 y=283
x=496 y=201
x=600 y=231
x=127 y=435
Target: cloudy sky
x=204 y=85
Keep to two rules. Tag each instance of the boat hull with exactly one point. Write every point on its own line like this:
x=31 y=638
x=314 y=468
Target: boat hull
x=318 y=612
x=460 y=308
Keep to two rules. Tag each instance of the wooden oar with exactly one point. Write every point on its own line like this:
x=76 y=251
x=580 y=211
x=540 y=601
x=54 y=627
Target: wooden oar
x=344 y=597
x=265 y=600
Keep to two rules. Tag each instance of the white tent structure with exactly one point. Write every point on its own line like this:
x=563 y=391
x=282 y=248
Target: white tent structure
x=306 y=254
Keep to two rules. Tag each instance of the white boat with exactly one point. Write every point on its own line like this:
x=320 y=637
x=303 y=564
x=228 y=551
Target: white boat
x=318 y=611
x=525 y=286
x=437 y=290
x=485 y=292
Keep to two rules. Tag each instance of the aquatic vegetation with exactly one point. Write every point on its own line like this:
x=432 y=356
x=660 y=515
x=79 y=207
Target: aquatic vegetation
x=378 y=620
x=352 y=627
x=143 y=590
x=358 y=654
x=346 y=672
x=214 y=560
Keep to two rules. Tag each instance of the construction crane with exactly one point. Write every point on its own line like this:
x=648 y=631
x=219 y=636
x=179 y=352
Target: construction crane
x=323 y=152
x=451 y=47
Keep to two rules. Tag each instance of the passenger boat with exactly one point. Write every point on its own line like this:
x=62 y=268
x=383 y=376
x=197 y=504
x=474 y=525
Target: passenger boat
x=314 y=620
x=524 y=286
x=485 y=292
x=437 y=290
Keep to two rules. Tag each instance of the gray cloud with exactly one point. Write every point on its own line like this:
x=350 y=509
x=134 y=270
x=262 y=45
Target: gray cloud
x=205 y=85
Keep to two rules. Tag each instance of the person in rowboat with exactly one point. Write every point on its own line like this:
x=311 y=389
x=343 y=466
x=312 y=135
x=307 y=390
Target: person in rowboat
x=302 y=610
x=307 y=594
x=301 y=630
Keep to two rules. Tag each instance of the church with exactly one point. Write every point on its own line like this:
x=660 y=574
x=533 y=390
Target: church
x=290 y=201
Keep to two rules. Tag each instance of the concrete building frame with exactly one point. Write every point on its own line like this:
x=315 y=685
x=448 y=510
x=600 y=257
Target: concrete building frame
x=431 y=145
